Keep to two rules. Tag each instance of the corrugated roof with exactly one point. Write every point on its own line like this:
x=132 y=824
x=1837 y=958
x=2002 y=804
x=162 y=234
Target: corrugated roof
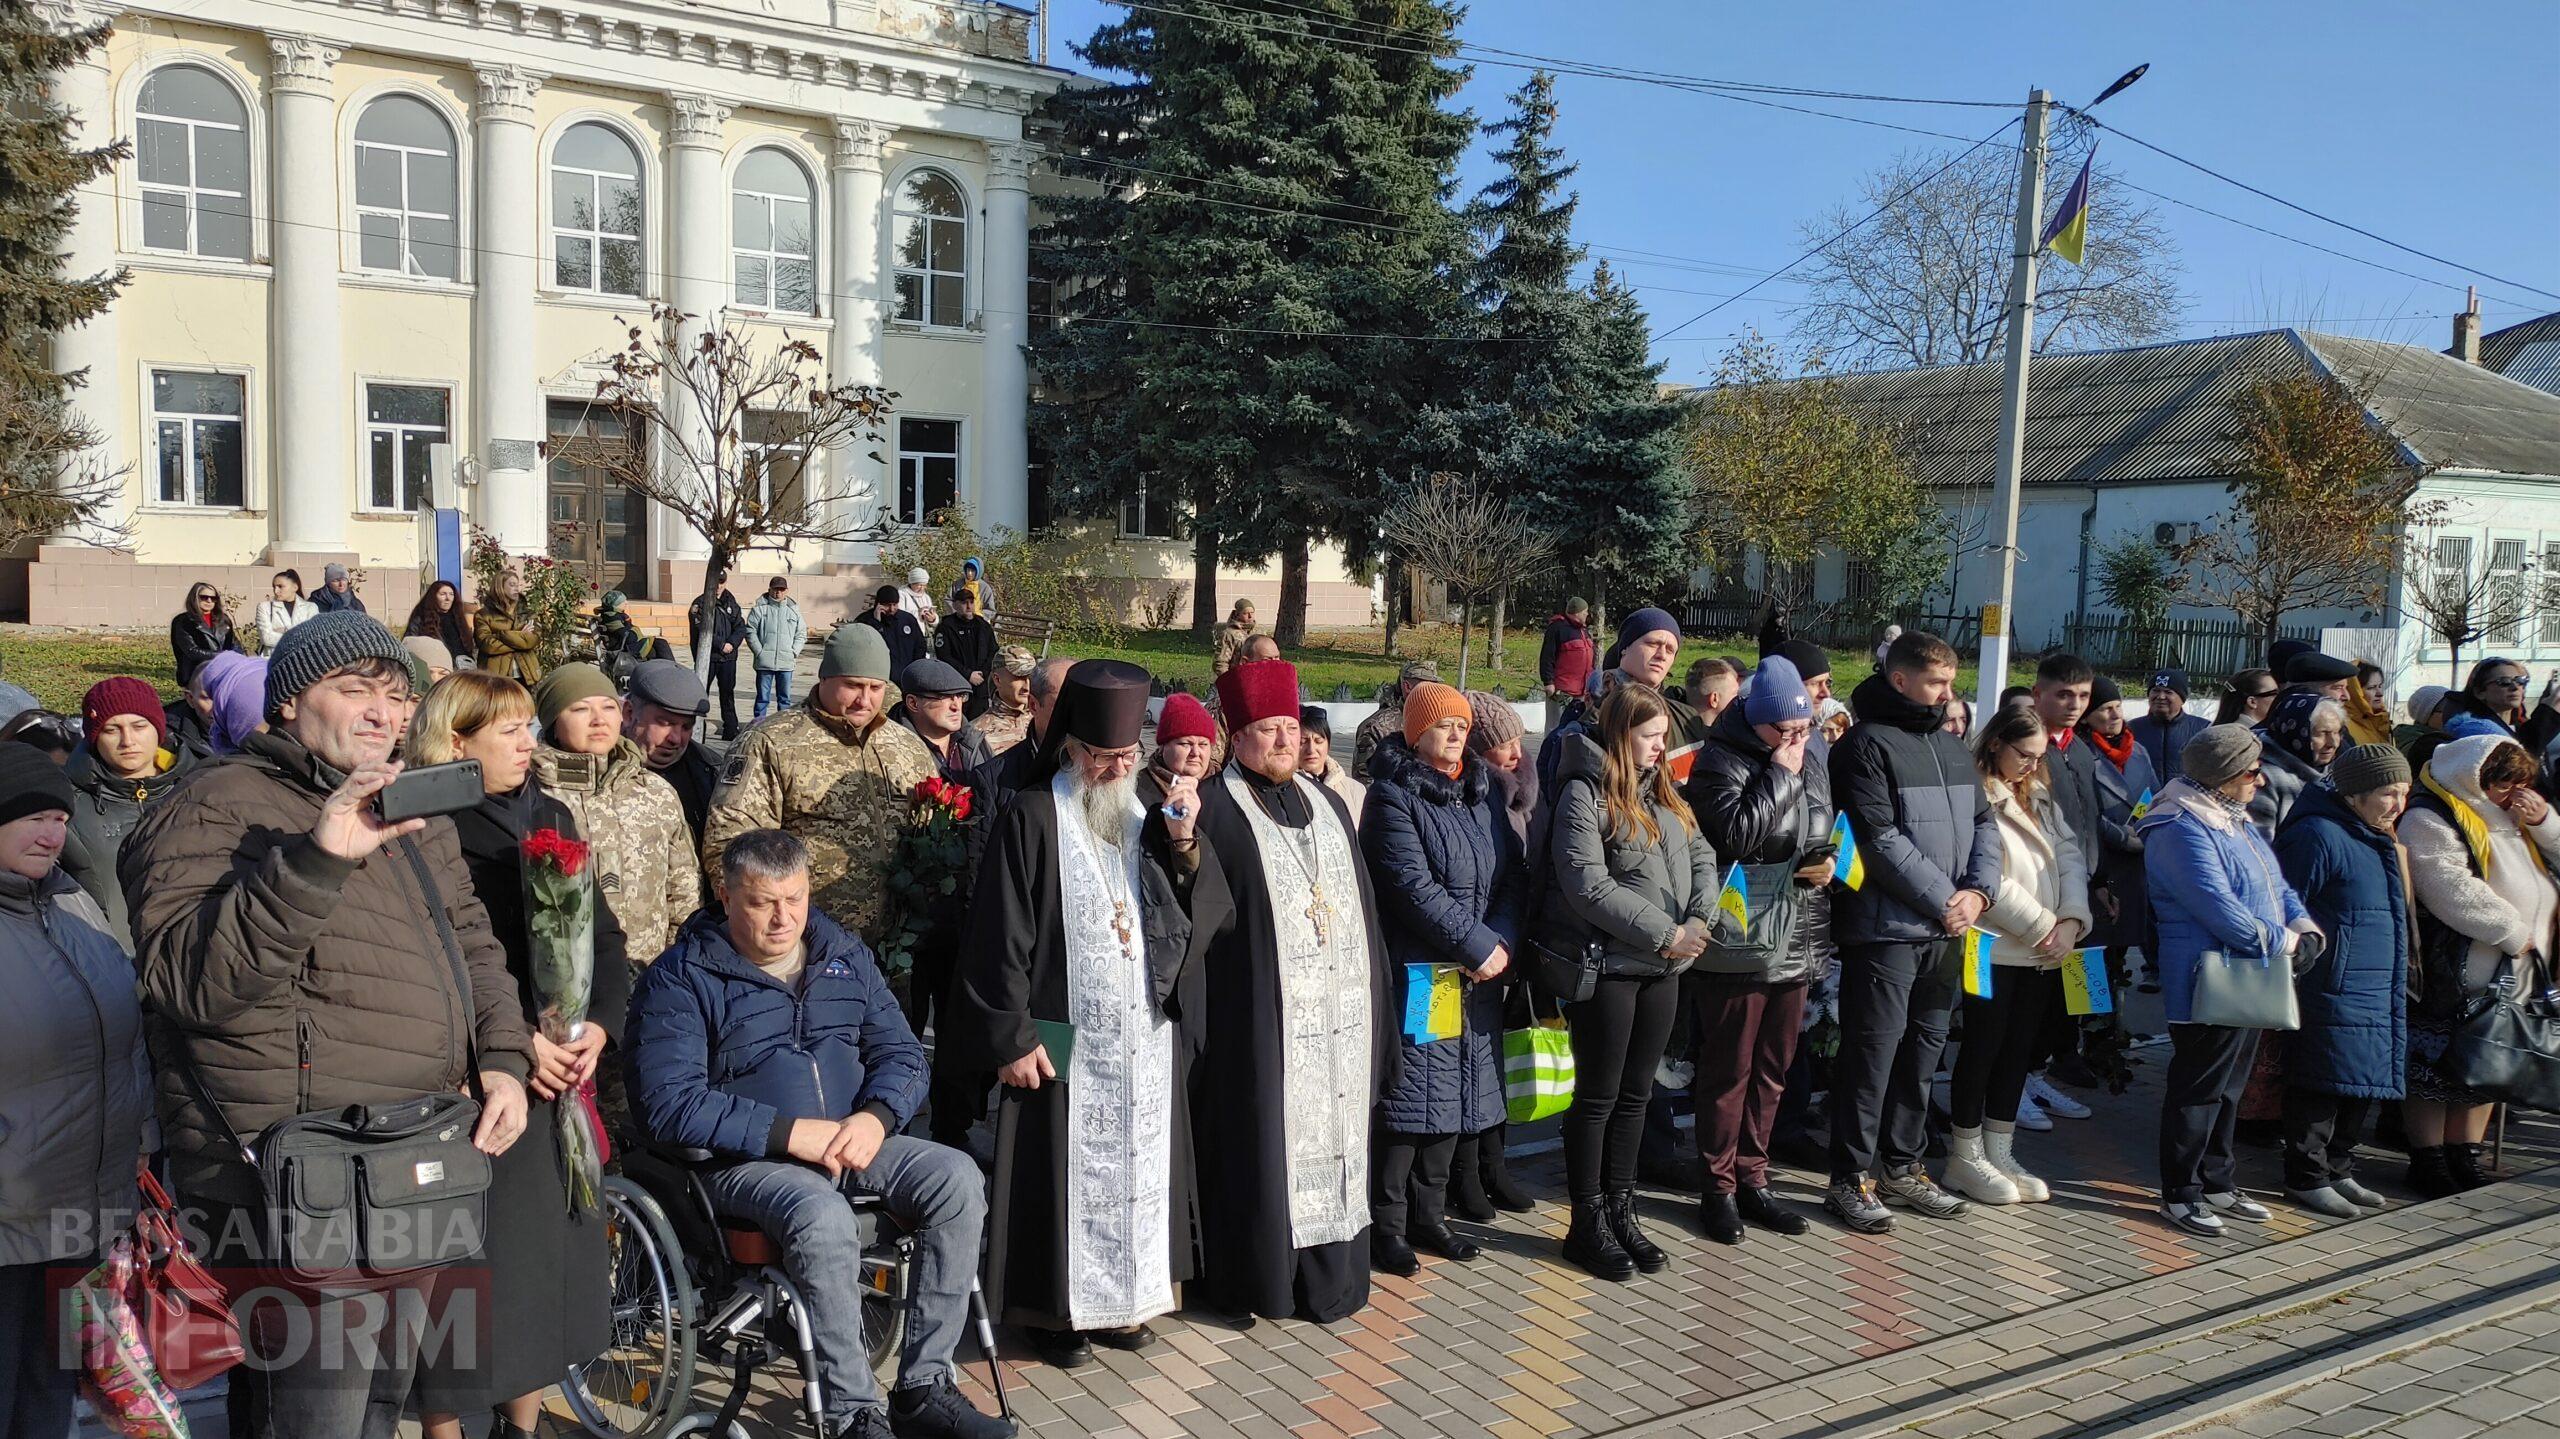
x=2528 y=354
x=2165 y=412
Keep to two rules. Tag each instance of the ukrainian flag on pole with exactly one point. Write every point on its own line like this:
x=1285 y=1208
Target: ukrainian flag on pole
x=1847 y=866
x=1977 y=961
x=2067 y=233
x=1735 y=900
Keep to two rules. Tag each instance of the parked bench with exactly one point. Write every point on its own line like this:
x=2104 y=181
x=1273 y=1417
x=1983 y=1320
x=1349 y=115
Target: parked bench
x=1027 y=631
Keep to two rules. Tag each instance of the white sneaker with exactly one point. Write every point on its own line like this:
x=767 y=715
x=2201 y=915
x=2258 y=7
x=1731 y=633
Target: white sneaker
x=2195 y=1219
x=2031 y=1115
x=2053 y=1101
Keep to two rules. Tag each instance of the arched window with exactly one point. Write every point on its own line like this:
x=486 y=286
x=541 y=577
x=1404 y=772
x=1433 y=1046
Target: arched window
x=191 y=150
x=596 y=212
x=773 y=247
x=407 y=190
x=932 y=222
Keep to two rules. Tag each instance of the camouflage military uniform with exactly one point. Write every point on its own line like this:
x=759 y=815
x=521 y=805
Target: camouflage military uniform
x=1003 y=731
x=1388 y=720
x=844 y=796
x=1227 y=646
x=644 y=861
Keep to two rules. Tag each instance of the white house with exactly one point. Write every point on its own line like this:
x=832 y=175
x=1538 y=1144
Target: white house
x=2138 y=442
x=358 y=230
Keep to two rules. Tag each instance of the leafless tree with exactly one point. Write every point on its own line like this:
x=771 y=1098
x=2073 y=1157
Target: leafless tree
x=52 y=481
x=1926 y=282
x=2451 y=587
x=728 y=437
x=1471 y=541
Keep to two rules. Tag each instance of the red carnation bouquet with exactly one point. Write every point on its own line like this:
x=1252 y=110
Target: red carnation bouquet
x=925 y=872
x=560 y=922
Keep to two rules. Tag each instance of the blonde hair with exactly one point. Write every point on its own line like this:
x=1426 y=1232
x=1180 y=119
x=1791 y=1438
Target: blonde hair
x=1628 y=799
x=463 y=704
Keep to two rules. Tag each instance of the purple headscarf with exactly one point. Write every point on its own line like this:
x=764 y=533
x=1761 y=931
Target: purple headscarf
x=239 y=695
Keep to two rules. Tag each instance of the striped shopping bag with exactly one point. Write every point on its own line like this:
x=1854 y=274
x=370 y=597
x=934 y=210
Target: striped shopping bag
x=1537 y=1068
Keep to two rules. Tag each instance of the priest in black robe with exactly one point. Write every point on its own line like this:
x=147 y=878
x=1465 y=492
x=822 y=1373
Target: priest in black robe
x=1299 y=1028
x=1077 y=973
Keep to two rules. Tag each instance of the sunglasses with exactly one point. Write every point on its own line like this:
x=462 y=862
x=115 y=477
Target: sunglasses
x=2507 y=682
x=2261 y=694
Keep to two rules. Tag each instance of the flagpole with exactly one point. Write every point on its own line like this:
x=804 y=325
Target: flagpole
x=2011 y=458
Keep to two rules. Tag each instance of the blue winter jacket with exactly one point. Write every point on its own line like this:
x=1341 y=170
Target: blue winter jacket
x=2355 y=1010
x=723 y=1057
x=2215 y=885
x=1448 y=870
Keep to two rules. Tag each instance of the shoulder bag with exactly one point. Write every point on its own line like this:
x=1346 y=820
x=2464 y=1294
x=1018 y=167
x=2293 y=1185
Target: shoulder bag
x=186 y=1322
x=366 y=1195
x=2507 y=1046
x=2237 y=992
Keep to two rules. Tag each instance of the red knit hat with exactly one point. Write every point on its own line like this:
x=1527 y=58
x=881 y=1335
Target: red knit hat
x=1184 y=718
x=1260 y=690
x=123 y=695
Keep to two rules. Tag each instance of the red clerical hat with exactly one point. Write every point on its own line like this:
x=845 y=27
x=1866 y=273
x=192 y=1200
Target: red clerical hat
x=1256 y=691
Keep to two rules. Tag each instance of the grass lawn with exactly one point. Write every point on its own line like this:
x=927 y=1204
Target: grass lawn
x=59 y=668
x=1356 y=657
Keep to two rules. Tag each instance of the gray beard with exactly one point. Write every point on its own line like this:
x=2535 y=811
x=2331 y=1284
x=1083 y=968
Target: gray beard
x=1106 y=807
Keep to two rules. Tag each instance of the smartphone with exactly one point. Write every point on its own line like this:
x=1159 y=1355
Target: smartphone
x=429 y=790
x=1822 y=855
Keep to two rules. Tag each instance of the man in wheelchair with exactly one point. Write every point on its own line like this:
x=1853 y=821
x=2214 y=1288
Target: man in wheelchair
x=771 y=1041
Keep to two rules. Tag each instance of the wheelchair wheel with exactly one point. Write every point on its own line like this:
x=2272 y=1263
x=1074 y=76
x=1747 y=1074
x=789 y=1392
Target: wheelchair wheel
x=643 y=1382
x=884 y=1304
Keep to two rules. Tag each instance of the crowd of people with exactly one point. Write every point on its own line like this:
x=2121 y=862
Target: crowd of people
x=1241 y=1007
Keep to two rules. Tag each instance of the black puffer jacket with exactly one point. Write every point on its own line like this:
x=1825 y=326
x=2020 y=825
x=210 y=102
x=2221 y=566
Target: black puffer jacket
x=1756 y=813
x=1915 y=806
x=106 y=810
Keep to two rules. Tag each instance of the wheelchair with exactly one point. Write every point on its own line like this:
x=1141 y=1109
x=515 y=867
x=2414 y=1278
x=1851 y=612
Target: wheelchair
x=691 y=1289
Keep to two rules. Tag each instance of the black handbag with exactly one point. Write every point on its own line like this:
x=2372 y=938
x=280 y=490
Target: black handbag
x=366 y=1195
x=1567 y=978
x=2507 y=1046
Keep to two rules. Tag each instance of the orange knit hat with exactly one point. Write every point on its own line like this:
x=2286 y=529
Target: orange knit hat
x=1430 y=703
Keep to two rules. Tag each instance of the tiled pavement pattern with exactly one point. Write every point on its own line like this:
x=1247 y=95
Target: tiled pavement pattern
x=1518 y=1344
x=2498 y=1380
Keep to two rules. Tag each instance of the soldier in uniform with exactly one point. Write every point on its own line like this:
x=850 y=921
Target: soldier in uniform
x=1390 y=716
x=836 y=773
x=644 y=860
x=1227 y=641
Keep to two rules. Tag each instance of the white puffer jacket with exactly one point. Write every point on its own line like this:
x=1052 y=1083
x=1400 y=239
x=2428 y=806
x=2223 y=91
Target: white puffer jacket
x=2510 y=909
x=2044 y=879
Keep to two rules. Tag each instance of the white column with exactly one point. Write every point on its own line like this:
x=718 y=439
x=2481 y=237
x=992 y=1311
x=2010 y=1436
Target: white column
x=312 y=463
x=506 y=396
x=1004 y=439
x=90 y=249
x=858 y=480
x=697 y=278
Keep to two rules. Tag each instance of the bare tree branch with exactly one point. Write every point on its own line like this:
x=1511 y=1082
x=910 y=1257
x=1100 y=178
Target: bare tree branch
x=2448 y=583
x=1471 y=541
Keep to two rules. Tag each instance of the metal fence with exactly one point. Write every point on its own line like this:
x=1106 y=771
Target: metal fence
x=1831 y=626
x=2209 y=650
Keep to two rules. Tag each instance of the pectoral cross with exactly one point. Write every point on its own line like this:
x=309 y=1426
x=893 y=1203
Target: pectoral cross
x=1318 y=910
x=1120 y=923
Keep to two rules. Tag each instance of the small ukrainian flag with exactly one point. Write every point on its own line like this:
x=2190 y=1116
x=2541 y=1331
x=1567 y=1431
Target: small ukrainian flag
x=1977 y=961
x=1735 y=900
x=2142 y=806
x=1847 y=866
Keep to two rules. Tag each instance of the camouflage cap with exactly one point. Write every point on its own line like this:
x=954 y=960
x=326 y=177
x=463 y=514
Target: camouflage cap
x=1420 y=672
x=1016 y=661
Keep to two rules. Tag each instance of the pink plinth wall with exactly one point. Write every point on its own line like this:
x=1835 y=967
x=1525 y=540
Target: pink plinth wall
x=78 y=585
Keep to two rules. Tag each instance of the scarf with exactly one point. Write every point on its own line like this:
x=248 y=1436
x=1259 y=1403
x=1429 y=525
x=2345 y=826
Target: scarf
x=2119 y=751
x=2475 y=830
x=2288 y=725
x=2367 y=723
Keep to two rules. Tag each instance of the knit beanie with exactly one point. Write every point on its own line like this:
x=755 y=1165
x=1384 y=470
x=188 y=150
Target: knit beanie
x=123 y=695
x=421 y=679
x=30 y=783
x=2173 y=679
x=325 y=643
x=1428 y=704
x=1811 y=660
x=2220 y=752
x=434 y=653
x=2103 y=691
x=565 y=686
x=239 y=698
x=885 y=595
x=1777 y=693
x=856 y=652
x=2368 y=767
x=1184 y=717
x=2423 y=704
x=1497 y=723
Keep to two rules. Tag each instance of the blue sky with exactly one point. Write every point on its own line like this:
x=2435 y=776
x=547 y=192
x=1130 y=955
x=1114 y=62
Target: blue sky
x=2413 y=121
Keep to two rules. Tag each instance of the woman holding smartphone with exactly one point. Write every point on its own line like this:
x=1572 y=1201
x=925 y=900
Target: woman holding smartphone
x=1633 y=880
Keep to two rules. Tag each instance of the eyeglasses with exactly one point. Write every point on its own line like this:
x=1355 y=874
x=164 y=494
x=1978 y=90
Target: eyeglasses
x=2261 y=694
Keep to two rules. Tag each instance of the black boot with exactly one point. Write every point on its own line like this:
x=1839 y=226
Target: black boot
x=2466 y=1161
x=1770 y=1212
x=1621 y=1209
x=2430 y=1177
x=1505 y=1193
x=1721 y=1217
x=1592 y=1243
x=1467 y=1198
x=1390 y=1254
x=501 y=1427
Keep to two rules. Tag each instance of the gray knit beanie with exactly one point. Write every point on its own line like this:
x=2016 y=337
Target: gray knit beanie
x=314 y=649
x=1496 y=722
x=2368 y=767
x=855 y=650
x=2220 y=752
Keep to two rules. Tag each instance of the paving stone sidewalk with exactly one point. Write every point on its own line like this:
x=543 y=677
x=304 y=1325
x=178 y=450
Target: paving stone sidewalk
x=1777 y=1337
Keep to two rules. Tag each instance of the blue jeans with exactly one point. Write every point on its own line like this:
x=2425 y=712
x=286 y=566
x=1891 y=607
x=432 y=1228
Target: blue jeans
x=934 y=1193
x=773 y=691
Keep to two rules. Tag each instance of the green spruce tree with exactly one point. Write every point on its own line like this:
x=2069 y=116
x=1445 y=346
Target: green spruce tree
x=1621 y=510
x=40 y=177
